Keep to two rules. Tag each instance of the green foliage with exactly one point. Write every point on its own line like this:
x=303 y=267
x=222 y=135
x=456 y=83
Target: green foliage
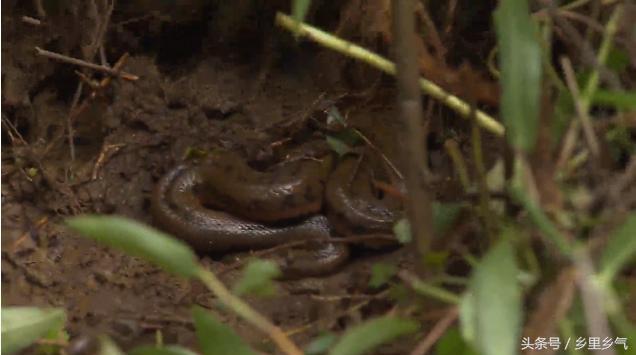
x=617 y=60
x=444 y=216
x=216 y=338
x=367 y=336
x=490 y=312
x=541 y=220
x=402 y=230
x=429 y=290
x=452 y=343
x=21 y=326
x=108 y=347
x=161 y=350
x=338 y=145
x=621 y=100
x=257 y=278
x=56 y=335
x=138 y=240
x=620 y=250
x=620 y=141
x=342 y=142
x=381 y=273
x=299 y=9
x=334 y=116
x=320 y=344
x=521 y=72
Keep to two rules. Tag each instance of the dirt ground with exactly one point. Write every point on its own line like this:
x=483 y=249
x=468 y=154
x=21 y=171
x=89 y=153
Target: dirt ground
x=189 y=96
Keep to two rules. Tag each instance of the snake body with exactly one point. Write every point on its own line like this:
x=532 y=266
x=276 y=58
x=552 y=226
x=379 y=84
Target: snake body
x=225 y=205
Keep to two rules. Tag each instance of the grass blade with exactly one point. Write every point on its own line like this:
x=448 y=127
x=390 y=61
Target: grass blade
x=521 y=71
x=216 y=338
x=21 y=326
x=138 y=240
x=491 y=311
x=371 y=334
x=620 y=250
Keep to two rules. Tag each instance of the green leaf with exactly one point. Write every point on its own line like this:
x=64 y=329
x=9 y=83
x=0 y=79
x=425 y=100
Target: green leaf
x=617 y=60
x=369 y=335
x=333 y=115
x=56 y=335
x=541 y=220
x=491 y=310
x=216 y=338
x=451 y=343
x=427 y=289
x=299 y=9
x=161 y=350
x=108 y=347
x=620 y=250
x=21 y=326
x=444 y=216
x=337 y=145
x=621 y=100
x=257 y=278
x=467 y=317
x=402 y=231
x=138 y=240
x=320 y=344
x=381 y=273
x=520 y=65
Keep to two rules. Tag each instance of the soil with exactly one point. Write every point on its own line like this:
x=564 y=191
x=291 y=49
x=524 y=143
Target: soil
x=194 y=94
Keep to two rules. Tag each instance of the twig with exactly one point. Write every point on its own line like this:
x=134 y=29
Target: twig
x=610 y=30
x=31 y=21
x=452 y=149
x=382 y=155
x=107 y=151
x=38 y=225
x=438 y=330
x=485 y=212
x=580 y=109
x=432 y=32
x=101 y=31
x=248 y=313
x=102 y=84
x=569 y=143
x=83 y=63
x=453 y=102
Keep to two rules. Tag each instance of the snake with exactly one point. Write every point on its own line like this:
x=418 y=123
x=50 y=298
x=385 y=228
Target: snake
x=226 y=205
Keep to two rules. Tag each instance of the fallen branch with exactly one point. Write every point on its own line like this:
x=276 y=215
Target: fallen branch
x=354 y=51
x=82 y=63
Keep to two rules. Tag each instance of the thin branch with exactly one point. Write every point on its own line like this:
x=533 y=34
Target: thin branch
x=354 y=51
x=582 y=113
x=438 y=330
x=31 y=21
x=85 y=64
x=382 y=155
